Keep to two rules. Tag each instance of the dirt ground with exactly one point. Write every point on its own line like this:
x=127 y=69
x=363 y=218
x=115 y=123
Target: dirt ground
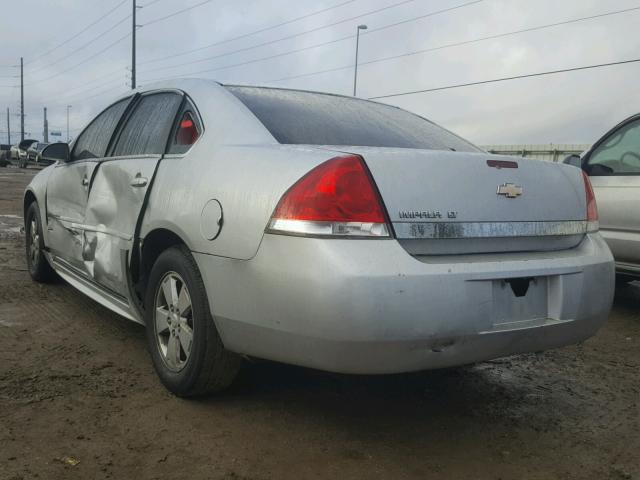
x=79 y=400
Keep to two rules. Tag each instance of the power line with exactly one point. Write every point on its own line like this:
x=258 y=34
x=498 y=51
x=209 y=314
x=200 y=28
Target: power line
x=458 y=44
x=288 y=37
x=99 y=93
x=68 y=97
x=244 y=35
x=108 y=47
x=102 y=17
x=176 y=13
x=85 y=45
x=77 y=89
x=504 y=79
x=148 y=4
x=125 y=90
x=350 y=36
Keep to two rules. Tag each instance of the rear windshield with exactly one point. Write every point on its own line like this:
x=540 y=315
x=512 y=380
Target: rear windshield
x=307 y=118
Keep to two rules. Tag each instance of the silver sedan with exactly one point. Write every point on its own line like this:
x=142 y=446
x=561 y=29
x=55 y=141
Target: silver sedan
x=313 y=229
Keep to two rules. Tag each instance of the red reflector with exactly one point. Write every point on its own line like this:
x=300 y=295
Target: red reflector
x=502 y=164
x=186 y=123
x=592 y=207
x=339 y=190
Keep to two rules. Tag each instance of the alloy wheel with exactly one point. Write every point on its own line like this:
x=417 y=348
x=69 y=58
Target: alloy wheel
x=34 y=241
x=173 y=321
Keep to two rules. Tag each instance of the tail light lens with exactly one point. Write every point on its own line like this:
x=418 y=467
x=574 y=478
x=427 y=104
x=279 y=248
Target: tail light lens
x=593 y=224
x=337 y=198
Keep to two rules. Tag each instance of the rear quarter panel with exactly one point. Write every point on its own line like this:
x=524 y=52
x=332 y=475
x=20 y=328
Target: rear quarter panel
x=236 y=162
x=248 y=181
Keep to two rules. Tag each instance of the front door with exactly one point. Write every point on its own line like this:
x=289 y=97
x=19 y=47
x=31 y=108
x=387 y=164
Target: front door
x=67 y=190
x=614 y=170
x=69 y=183
x=119 y=189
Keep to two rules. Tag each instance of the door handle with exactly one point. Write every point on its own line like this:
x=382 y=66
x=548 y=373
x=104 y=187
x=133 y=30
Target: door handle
x=85 y=181
x=139 y=181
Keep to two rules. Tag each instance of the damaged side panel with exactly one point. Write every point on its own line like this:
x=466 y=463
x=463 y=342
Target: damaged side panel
x=115 y=202
x=67 y=192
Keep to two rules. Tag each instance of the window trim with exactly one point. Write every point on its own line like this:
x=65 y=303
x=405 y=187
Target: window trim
x=127 y=115
x=587 y=156
x=187 y=101
x=131 y=99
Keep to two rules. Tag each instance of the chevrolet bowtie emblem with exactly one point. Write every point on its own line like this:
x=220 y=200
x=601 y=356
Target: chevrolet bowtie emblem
x=510 y=190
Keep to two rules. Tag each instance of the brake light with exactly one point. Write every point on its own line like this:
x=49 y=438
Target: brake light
x=593 y=224
x=337 y=198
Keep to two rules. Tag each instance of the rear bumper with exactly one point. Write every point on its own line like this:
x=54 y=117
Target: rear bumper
x=366 y=306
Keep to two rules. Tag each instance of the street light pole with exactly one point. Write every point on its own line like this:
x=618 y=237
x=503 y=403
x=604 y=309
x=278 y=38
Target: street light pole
x=133 y=47
x=21 y=99
x=68 y=137
x=355 y=73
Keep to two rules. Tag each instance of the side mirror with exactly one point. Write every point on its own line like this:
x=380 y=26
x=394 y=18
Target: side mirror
x=56 y=152
x=574 y=160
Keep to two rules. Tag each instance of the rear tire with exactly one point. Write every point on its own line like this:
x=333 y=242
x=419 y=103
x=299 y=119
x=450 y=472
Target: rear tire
x=622 y=279
x=37 y=262
x=186 y=349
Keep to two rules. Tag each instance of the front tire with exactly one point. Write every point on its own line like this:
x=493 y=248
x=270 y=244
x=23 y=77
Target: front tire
x=186 y=349
x=37 y=262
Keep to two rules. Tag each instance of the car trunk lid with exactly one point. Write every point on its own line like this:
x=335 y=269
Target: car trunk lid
x=442 y=202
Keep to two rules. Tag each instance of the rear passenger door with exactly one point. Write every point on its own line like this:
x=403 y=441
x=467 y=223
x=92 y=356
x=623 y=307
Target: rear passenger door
x=119 y=188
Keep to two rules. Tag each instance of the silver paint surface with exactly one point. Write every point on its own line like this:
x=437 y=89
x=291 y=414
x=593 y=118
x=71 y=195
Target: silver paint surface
x=348 y=305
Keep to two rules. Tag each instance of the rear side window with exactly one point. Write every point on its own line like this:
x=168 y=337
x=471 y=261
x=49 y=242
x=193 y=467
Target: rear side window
x=147 y=129
x=296 y=117
x=94 y=140
x=186 y=131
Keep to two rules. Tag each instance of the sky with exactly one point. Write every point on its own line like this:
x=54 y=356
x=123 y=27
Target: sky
x=78 y=53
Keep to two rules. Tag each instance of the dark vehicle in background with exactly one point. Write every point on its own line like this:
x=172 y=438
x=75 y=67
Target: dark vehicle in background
x=613 y=166
x=5 y=154
x=34 y=151
x=20 y=152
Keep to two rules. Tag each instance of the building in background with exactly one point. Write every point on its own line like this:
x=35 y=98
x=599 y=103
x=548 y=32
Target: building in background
x=550 y=152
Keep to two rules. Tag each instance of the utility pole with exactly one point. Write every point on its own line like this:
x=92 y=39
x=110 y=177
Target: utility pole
x=133 y=47
x=45 y=132
x=68 y=108
x=8 y=128
x=355 y=74
x=21 y=99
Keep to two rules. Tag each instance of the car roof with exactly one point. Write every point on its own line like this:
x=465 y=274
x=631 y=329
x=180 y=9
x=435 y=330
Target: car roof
x=201 y=85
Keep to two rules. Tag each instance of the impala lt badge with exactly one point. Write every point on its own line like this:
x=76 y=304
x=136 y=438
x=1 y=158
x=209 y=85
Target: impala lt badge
x=510 y=190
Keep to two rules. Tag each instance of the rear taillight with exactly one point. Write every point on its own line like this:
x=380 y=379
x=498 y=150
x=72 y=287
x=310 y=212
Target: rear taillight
x=593 y=225
x=337 y=198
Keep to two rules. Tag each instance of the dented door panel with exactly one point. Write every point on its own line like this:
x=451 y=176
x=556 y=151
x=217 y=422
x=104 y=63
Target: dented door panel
x=67 y=191
x=115 y=201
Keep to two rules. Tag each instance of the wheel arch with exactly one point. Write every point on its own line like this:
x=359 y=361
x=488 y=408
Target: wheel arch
x=152 y=245
x=28 y=199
